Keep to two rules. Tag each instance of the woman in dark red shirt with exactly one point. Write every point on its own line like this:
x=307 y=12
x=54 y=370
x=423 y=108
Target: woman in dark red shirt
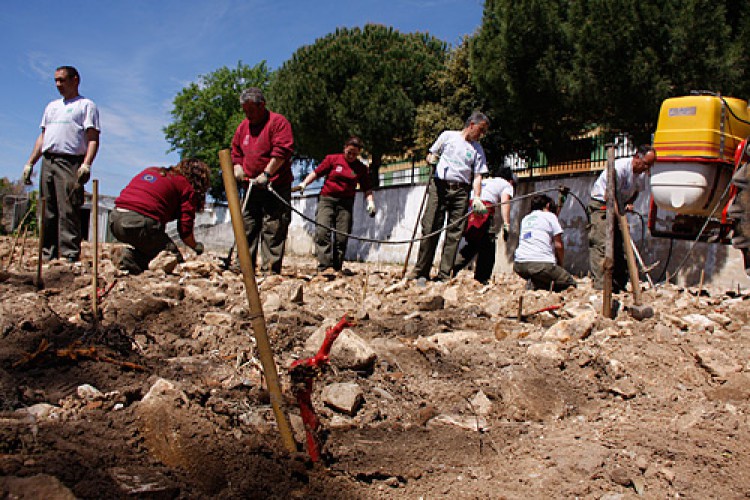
x=154 y=197
x=343 y=172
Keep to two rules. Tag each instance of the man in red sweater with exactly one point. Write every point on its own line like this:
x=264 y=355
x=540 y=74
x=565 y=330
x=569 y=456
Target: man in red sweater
x=262 y=154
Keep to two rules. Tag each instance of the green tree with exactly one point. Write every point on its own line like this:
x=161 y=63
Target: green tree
x=365 y=81
x=206 y=114
x=551 y=69
x=521 y=61
x=456 y=99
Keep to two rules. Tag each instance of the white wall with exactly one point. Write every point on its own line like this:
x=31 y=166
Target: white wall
x=398 y=208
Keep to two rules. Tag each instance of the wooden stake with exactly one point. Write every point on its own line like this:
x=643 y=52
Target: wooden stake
x=520 y=308
x=256 y=308
x=95 y=242
x=700 y=286
x=23 y=246
x=38 y=282
x=609 y=261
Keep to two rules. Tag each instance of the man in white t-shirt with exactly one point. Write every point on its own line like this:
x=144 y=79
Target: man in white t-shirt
x=69 y=142
x=479 y=237
x=460 y=164
x=631 y=175
x=541 y=253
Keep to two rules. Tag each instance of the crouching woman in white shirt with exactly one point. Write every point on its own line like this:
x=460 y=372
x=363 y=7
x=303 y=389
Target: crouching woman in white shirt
x=541 y=252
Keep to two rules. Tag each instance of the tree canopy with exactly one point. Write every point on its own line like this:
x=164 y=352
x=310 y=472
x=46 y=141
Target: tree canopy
x=206 y=114
x=365 y=81
x=552 y=68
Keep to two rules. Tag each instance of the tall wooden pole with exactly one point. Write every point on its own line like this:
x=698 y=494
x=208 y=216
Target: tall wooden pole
x=42 y=206
x=95 y=244
x=256 y=309
x=609 y=254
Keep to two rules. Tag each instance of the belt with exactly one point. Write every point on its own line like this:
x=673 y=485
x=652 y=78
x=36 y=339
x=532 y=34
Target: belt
x=597 y=204
x=50 y=155
x=450 y=184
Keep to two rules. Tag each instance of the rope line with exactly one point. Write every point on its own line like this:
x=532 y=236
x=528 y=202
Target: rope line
x=402 y=242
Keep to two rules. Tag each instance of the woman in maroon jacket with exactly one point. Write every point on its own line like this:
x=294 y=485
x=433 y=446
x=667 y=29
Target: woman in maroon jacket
x=154 y=197
x=343 y=171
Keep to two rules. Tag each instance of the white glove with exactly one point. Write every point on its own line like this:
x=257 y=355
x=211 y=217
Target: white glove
x=239 y=173
x=262 y=180
x=432 y=158
x=84 y=173
x=371 y=210
x=478 y=206
x=27 y=170
x=302 y=186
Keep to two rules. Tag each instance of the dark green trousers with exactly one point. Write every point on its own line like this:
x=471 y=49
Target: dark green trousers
x=145 y=236
x=335 y=213
x=597 y=250
x=267 y=223
x=446 y=203
x=543 y=274
x=58 y=184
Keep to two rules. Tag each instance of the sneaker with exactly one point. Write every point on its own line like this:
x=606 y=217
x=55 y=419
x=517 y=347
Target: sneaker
x=421 y=282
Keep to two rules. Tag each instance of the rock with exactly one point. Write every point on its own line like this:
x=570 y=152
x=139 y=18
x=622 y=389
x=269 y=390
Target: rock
x=736 y=388
x=444 y=342
x=349 y=351
x=572 y=329
x=296 y=295
x=396 y=287
x=451 y=295
x=470 y=423
x=89 y=392
x=546 y=350
x=40 y=411
x=167 y=290
x=177 y=436
x=39 y=486
x=165 y=261
x=271 y=303
x=481 y=404
x=218 y=319
x=697 y=320
x=199 y=268
x=625 y=388
x=143 y=482
x=716 y=362
x=430 y=303
x=678 y=322
x=719 y=318
x=343 y=397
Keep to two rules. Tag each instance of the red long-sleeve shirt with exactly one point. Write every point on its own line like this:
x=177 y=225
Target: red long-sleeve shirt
x=342 y=177
x=162 y=197
x=254 y=146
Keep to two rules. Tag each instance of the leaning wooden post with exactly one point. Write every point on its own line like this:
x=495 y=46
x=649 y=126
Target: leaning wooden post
x=40 y=216
x=418 y=220
x=95 y=243
x=609 y=251
x=256 y=309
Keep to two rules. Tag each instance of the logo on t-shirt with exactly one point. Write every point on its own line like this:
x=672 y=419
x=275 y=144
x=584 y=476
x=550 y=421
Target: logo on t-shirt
x=151 y=178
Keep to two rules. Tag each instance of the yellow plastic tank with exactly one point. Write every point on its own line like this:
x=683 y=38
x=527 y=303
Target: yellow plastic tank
x=695 y=141
x=698 y=126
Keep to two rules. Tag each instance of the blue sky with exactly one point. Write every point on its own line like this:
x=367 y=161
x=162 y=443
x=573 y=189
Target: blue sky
x=135 y=56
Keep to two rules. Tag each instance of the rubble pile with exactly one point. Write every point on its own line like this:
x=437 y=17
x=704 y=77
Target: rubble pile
x=453 y=389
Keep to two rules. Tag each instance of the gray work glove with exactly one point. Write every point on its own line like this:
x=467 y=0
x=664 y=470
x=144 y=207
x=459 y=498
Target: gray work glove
x=199 y=248
x=262 y=180
x=84 y=173
x=28 y=169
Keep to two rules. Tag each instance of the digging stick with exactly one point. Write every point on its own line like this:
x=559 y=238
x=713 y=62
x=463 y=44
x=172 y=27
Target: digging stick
x=627 y=243
x=95 y=241
x=15 y=241
x=256 y=309
x=418 y=220
x=39 y=283
x=609 y=254
x=23 y=246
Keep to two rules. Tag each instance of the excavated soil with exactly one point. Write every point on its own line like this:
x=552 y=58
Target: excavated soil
x=163 y=396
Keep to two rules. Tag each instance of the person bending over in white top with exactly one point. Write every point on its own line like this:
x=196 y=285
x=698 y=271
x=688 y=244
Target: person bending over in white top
x=541 y=252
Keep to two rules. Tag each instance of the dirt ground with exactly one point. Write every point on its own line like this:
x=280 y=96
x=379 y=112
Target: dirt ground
x=164 y=396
